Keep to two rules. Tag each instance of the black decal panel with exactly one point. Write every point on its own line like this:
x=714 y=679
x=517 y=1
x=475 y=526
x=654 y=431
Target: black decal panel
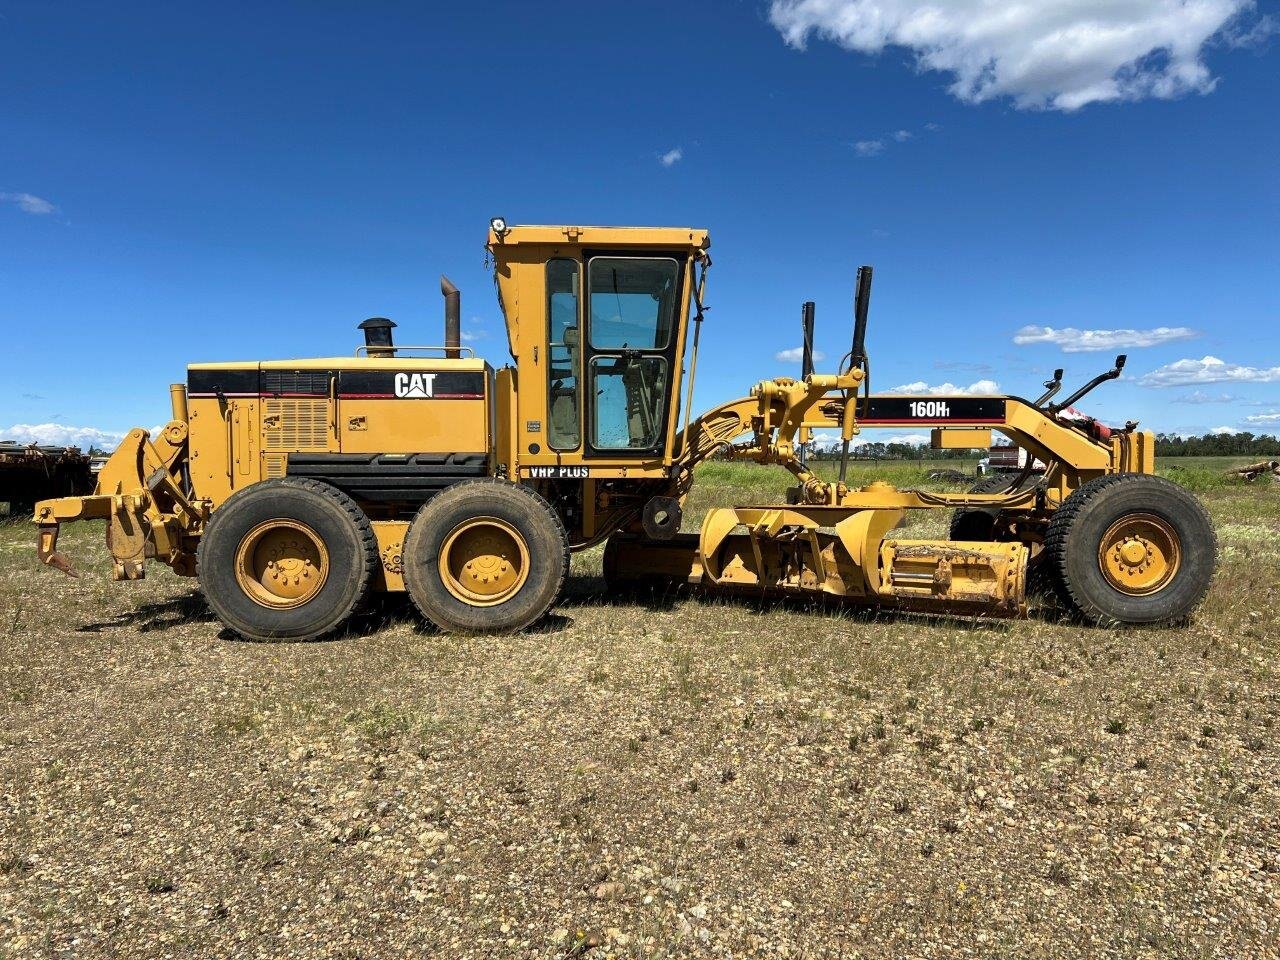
x=380 y=384
x=234 y=382
x=411 y=384
x=558 y=473
x=898 y=410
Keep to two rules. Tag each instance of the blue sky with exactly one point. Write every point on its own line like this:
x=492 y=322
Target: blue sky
x=233 y=181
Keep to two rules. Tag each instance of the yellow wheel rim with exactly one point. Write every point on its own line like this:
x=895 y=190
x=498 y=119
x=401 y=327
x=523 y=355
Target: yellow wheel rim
x=1140 y=554
x=281 y=564
x=484 y=561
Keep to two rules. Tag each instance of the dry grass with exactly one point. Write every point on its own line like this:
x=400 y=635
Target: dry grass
x=672 y=777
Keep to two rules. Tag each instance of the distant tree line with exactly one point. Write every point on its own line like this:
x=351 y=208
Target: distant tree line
x=1242 y=444
x=892 y=451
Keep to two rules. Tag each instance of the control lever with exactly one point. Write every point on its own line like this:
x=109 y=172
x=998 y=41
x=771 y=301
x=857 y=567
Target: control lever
x=1051 y=388
x=1111 y=374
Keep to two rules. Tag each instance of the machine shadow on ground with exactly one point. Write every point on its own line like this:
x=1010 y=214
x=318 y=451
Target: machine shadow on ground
x=165 y=614
x=388 y=611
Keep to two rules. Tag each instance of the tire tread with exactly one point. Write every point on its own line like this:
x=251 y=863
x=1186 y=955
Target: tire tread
x=1058 y=534
x=368 y=540
x=533 y=498
x=363 y=526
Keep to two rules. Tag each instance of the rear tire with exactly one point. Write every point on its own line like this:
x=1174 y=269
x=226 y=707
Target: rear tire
x=1132 y=548
x=485 y=556
x=287 y=559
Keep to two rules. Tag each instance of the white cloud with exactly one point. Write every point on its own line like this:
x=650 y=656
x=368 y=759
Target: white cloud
x=471 y=336
x=1054 y=54
x=1251 y=34
x=63 y=435
x=672 y=157
x=29 y=203
x=1263 y=418
x=873 y=147
x=1207 y=370
x=796 y=354
x=1219 y=431
x=979 y=388
x=1073 y=340
x=1200 y=397
x=963 y=366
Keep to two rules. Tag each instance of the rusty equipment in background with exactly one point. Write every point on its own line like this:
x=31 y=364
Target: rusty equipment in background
x=31 y=472
x=294 y=489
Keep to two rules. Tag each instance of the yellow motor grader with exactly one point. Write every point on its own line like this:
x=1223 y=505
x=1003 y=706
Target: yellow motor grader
x=292 y=489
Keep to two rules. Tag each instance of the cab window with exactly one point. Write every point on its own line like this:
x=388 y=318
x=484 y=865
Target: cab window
x=630 y=402
x=563 y=392
x=633 y=302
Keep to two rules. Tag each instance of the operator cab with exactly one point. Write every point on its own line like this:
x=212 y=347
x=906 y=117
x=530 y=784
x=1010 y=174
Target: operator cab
x=599 y=315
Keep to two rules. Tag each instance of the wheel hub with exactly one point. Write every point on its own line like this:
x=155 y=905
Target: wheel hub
x=484 y=561
x=1139 y=554
x=281 y=564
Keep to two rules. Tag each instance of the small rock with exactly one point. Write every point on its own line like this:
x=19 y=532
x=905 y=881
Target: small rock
x=432 y=839
x=616 y=936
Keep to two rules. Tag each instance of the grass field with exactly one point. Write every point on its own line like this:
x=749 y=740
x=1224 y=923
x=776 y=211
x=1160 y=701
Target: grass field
x=678 y=777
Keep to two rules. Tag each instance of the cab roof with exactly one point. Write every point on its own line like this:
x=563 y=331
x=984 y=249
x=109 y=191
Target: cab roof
x=692 y=237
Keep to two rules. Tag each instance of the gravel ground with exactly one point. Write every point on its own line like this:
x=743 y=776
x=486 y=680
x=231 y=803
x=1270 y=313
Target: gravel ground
x=674 y=777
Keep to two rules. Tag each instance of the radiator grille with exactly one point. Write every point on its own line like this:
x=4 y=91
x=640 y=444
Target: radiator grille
x=274 y=465
x=313 y=382
x=295 y=424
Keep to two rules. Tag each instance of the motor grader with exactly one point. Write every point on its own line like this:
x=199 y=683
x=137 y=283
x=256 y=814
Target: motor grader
x=293 y=489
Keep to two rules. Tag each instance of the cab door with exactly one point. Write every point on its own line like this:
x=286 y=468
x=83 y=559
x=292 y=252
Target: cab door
x=628 y=353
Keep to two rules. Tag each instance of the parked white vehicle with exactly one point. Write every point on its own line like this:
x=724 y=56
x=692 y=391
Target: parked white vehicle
x=1006 y=458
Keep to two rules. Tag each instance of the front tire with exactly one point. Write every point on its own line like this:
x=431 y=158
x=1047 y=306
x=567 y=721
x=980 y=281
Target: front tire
x=485 y=556
x=286 y=559
x=1132 y=548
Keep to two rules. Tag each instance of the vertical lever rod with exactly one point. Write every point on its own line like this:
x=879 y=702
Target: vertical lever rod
x=806 y=366
x=858 y=352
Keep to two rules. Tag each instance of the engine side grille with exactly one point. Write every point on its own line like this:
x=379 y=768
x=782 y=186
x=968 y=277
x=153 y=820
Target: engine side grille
x=295 y=424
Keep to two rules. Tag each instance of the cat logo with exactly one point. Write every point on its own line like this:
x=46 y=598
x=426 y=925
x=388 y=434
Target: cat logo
x=414 y=386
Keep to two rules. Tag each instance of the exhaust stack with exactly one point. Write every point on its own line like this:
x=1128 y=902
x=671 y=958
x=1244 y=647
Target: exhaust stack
x=377 y=337
x=452 y=318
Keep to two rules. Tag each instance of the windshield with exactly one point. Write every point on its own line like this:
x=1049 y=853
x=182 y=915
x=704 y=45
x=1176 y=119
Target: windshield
x=633 y=302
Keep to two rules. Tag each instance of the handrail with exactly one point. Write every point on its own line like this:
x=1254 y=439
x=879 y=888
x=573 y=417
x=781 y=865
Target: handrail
x=397 y=349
